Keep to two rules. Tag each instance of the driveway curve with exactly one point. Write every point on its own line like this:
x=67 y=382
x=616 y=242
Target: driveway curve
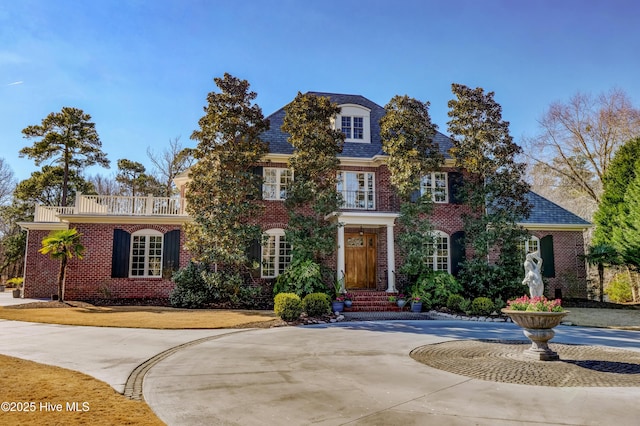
x=360 y=373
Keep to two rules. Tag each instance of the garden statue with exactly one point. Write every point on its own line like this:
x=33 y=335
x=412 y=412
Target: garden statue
x=533 y=274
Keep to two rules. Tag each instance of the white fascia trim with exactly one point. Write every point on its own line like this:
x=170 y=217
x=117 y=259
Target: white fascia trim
x=373 y=219
x=554 y=227
x=44 y=226
x=144 y=220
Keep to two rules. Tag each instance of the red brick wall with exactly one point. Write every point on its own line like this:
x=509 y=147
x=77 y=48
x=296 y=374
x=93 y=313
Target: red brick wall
x=90 y=277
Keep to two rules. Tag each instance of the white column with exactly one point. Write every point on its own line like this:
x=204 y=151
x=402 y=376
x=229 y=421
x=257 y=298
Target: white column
x=340 y=267
x=391 y=261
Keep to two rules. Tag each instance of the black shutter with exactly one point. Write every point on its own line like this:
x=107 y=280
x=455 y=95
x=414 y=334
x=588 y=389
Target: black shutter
x=120 y=254
x=548 y=260
x=254 y=254
x=415 y=196
x=458 y=255
x=257 y=170
x=171 y=251
x=456 y=182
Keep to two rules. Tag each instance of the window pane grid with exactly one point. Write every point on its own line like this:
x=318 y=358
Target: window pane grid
x=435 y=186
x=276 y=183
x=358 y=128
x=274 y=262
x=346 y=127
x=146 y=256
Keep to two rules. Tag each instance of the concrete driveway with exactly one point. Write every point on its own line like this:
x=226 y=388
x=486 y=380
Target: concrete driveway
x=361 y=374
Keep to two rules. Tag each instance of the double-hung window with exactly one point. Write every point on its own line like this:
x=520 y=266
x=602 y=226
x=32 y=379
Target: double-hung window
x=276 y=253
x=357 y=190
x=435 y=185
x=146 y=254
x=438 y=258
x=353 y=127
x=276 y=182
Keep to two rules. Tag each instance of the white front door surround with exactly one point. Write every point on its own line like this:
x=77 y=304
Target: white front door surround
x=368 y=220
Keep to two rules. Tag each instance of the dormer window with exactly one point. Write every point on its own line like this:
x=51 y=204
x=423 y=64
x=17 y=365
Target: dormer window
x=354 y=122
x=353 y=127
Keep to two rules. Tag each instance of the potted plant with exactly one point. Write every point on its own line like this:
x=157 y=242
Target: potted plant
x=416 y=302
x=16 y=283
x=537 y=316
x=337 y=305
x=348 y=300
x=402 y=300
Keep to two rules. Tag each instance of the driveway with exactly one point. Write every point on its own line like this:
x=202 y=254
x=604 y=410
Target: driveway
x=360 y=373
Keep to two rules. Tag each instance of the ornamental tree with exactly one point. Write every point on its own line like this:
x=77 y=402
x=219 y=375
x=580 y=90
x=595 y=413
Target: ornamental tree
x=494 y=185
x=407 y=137
x=313 y=194
x=69 y=139
x=223 y=192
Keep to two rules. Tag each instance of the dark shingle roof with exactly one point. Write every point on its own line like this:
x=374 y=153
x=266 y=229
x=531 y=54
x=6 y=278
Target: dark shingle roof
x=544 y=211
x=278 y=143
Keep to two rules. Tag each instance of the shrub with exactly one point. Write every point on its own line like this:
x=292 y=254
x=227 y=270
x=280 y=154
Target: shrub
x=316 y=304
x=498 y=303
x=619 y=289
x=482 y=306
x=454 y=301
x=440 y=285
x=302 y=277
x=15 y=282
x=465 y=306
x=190 y=291
x=287 y=306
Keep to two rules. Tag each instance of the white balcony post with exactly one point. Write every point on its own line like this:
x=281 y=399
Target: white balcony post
x=149 y=205
x=391 y=261
x=340 y=270
x=78 y=201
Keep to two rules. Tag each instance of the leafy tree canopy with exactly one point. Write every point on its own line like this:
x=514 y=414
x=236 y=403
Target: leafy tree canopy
x=134 y=180
x=223 y=191
x=68 y=138
x=622 y=170
x=313 y=193
x=407 y=137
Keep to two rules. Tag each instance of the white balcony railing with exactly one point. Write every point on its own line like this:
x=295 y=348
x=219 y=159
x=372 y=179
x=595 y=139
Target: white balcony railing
x=114 y=205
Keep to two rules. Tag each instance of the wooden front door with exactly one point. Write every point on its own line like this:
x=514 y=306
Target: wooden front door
x=360 y=261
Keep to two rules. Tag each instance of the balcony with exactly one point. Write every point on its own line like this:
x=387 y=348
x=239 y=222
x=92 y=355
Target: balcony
x=380 y=201
x=114 y=205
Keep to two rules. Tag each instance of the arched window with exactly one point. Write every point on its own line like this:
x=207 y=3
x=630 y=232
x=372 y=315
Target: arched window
x=146 y=253
x=276 y=253
x=529 y=246
x=438 y=260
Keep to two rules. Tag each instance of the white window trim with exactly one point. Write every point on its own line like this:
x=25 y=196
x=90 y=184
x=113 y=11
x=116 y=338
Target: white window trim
x=433 y=179
x=345 y=191
x=353 y=110
x=278 y=191
x=277 y=233
x=146 y=233
x=527 y=242
x=434 y=259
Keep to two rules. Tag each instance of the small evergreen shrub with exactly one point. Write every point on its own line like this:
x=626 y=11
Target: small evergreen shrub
x=465 y=306
x=287 y=306
x=482 y=306
x=15 y=282
x=619 y=289
x=316 y=304
x=454 y=301
x=498 y=304
x=190 y=291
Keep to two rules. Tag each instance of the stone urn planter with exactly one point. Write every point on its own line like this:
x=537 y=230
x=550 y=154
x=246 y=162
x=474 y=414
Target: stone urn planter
x=538 y=327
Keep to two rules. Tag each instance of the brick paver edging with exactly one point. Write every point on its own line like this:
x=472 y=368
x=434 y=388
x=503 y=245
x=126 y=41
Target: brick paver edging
x=504 y=361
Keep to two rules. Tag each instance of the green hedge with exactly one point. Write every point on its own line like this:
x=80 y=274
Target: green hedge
x=287 y=306
x=316 y=304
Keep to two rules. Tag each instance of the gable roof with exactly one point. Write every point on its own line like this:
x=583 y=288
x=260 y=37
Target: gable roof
x=278 y=143
x=545 y=213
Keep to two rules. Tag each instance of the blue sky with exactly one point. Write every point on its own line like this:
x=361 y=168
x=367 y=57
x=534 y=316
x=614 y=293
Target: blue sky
x=142 y=69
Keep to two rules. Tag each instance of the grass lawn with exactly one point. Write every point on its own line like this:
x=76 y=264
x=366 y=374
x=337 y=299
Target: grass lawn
x=135 y=316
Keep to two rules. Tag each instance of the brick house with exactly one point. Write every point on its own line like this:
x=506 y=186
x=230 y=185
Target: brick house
x=133 y=243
